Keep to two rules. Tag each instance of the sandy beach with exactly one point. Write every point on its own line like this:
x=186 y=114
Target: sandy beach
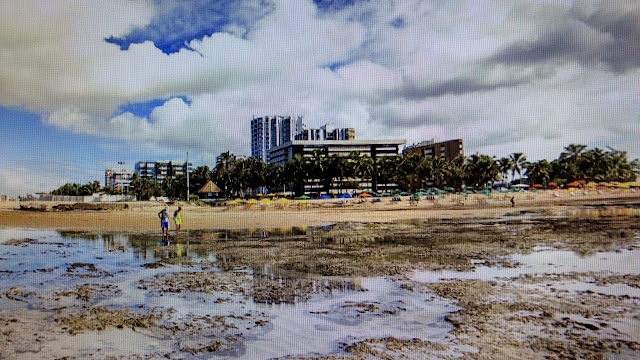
x=142 y=216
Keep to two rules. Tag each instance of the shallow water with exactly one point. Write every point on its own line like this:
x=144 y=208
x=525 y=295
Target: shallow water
x=51 y=262
x=546 y=260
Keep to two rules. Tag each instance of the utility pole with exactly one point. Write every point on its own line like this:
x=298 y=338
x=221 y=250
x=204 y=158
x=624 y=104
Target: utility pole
x=186 y=165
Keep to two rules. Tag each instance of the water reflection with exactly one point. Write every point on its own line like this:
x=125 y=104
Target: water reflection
x=273 y=285
x=143 y=246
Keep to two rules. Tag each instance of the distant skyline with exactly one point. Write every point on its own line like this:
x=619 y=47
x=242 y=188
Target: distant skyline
x=86 y=85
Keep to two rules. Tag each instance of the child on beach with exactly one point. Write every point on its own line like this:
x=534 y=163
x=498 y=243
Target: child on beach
x=177 y=218
x=164 y=222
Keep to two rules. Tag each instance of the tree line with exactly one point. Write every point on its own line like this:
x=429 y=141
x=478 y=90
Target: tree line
x=237 y=177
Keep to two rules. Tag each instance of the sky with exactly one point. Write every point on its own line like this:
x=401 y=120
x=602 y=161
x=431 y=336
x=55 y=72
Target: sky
x=85 y=85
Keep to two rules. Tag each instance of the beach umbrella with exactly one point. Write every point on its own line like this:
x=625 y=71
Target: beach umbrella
x=365 y=195
x=304 y=197
x=386 y=194
x=324 y=196
x=344 y=196
x=450 y=189
x=574 y=184
x=252 y=201
x=266 y=201
x=423 y=190
x=284 y=200
x=521 y=186
x=404 y=193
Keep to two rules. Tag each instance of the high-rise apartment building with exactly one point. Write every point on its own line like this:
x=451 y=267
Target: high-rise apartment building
x=158 y=170
x=270 y=132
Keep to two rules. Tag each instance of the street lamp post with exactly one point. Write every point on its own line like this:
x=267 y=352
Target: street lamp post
x=186 y=165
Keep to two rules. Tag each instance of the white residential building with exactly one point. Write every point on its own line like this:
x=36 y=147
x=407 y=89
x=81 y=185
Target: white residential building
x=118 y=180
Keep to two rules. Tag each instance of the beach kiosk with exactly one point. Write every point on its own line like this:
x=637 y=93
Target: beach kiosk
x=209 y=191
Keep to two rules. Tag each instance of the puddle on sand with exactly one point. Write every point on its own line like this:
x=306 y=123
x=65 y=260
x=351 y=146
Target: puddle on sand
x=51 y=263
x=546 y=260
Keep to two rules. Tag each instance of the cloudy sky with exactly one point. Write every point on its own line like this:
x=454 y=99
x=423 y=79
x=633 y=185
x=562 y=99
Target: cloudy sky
x=86 y=84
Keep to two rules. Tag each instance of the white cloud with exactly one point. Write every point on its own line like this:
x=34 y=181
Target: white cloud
x=434 y=74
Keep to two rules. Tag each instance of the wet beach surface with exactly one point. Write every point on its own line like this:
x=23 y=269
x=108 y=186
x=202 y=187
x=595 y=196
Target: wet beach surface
x=521 y=286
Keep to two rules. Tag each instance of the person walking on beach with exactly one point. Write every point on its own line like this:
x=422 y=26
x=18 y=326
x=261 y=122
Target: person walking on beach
x=177 y=218
x=164 y=222
x=513 y=203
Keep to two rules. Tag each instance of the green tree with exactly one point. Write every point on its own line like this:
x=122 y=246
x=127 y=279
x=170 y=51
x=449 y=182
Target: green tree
x=539 y=172
x=518 y=162
x=295 y=171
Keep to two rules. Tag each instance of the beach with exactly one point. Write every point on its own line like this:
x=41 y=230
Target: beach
x=142 y=216
x=555 y=276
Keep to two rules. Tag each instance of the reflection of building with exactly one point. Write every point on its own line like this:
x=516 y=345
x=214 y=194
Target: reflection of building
x=117 y=179
x=269 y=132
x=327 y=132
x=159 y=170
x=448 y=149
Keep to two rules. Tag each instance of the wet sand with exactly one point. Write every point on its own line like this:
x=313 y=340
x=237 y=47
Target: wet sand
x=457 y=281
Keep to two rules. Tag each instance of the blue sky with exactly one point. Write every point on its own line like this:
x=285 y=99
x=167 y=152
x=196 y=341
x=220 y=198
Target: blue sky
x=83 y=87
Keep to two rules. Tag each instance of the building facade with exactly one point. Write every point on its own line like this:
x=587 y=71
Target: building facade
x=159 y=170
x=118 y=180
x=327 y=132
x=372 y=148
x=447 y=149
x=270 y=132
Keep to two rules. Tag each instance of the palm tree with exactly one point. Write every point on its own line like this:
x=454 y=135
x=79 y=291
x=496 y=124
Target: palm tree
x=518 y=163
x=458 y=171
x=539 y=172
x=572 y=152
x=439 y=170
x=365 y=168
x=504 y=165
x=338 y=167
x=223 y=172
x=295 y=173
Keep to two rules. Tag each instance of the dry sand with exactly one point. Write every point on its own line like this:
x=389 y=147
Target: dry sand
x=142 y=216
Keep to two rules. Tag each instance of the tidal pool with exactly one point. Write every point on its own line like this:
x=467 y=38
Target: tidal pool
x=74 y=294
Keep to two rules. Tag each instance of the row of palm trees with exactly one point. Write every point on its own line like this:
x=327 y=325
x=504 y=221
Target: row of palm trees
x=236 y=177
x=240 y=177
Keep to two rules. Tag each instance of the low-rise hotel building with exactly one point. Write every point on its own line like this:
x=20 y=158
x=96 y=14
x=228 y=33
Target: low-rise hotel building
x=372 y=148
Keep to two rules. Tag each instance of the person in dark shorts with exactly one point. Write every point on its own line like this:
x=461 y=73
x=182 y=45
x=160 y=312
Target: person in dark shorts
x=164 y=222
